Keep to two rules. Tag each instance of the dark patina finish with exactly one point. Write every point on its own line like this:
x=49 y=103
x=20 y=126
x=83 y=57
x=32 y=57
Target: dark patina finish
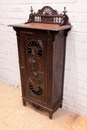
x=41 y=47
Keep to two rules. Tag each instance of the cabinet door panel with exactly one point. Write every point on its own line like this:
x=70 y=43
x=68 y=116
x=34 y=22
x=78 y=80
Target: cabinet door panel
x=34 y=66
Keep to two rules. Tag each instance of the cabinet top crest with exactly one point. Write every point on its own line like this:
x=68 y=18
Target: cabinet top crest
x=46 y=19
x=48 y=15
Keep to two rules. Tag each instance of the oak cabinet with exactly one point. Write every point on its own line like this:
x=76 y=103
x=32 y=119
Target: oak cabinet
x=41 y=47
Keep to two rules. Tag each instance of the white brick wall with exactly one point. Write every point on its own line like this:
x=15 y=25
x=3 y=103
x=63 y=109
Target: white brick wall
x=75 y=83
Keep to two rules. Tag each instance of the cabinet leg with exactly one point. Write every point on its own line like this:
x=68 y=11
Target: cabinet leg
x=24 y=102
x=50 y=115
x=61 y=106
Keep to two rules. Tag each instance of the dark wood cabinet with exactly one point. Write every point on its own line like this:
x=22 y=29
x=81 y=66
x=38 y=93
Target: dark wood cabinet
x=41 y=47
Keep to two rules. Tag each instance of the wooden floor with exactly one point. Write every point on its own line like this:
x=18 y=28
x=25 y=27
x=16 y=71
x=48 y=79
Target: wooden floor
x=14 y=116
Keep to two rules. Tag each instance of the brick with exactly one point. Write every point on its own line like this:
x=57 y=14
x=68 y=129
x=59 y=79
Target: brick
x=79 y=17
x=70 y=87
x=69 y=52
x=1 y=27
x=1 y=15
x=12 y=2
x=1 y=2
x=68 y=66
x=82 y=98
x=82 y=7
x=80 y=53
x=77 y=7
x=4 y=8
x=59 y=1
x=17 y=8
x=70 y=43
x=71 y=81
x=21 y=15
x=41 y=1
x=81 y=91
x=73 y=17
x=80 y=27
x=80 y=45
x=84 y=104
x=79 y=76
x=83 y=78
x=11 y=21
x=83 y=1
x=81 y=37
x=10 y=15
x=71 y=35
x=82 y=18
x=25 y=2
x=70 y=74
x=81 y=63
x=71 y=1
x=69 y=94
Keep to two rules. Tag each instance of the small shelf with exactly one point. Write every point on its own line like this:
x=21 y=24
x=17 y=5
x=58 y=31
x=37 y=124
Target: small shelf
x=42 y=26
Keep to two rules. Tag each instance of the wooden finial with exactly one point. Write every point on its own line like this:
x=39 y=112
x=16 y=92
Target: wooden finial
x=31 y=10
x=64 y=10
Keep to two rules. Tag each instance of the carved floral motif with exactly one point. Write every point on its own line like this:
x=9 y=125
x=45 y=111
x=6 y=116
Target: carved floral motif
x=35 y=70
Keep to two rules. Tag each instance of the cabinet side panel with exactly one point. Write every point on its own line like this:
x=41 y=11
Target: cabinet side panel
x=58 y=66
x=21 y=59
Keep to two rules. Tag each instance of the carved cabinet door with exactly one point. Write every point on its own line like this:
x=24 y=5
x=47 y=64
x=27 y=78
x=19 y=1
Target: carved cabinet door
x=35 y=66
